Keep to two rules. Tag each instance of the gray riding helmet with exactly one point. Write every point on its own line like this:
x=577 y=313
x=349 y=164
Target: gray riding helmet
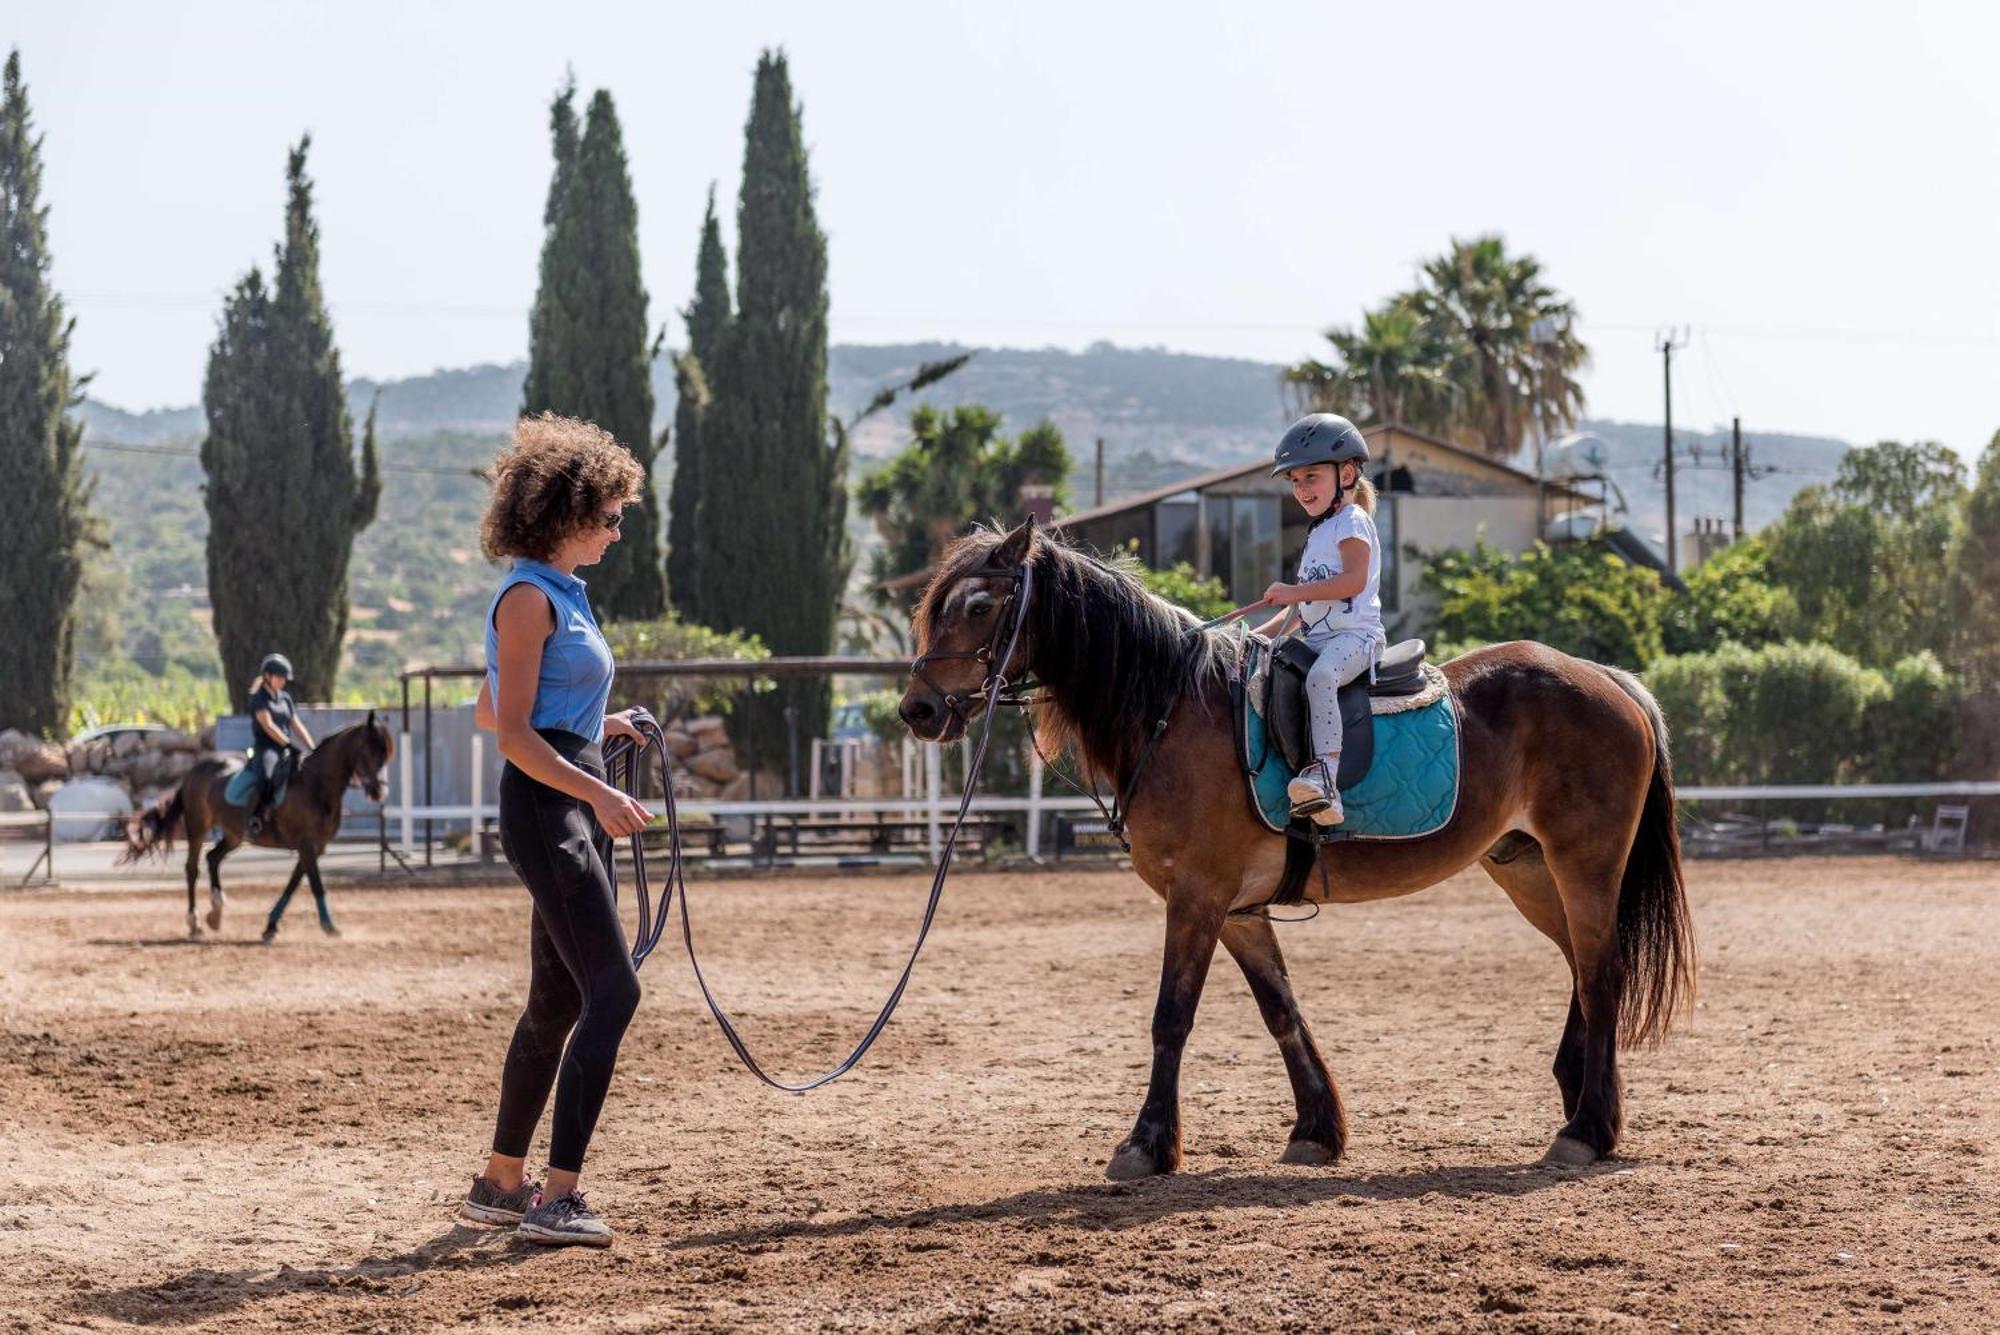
x=277 y=663
x=1320 y=438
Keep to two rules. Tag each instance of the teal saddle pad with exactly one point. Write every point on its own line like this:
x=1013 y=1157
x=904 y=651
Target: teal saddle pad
x=241 y=790
x=1410 y=790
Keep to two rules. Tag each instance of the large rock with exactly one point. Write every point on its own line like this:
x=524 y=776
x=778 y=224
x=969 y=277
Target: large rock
x=91 y=757
x=89 y=808
x=175 y=742
x=718 y=764
x=45 y=790
x=35 y=760
x=680 y=745
x=14 y=794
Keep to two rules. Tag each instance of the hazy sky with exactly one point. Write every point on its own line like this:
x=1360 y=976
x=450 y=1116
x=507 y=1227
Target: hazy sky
x=1815 y=189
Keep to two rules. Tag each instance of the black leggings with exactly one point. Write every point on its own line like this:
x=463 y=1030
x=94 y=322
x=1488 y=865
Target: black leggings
x=580 y=969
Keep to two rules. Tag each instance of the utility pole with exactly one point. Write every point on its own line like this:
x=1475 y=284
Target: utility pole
x=1100 y=474
x=1738 y=462
x=1667 y=344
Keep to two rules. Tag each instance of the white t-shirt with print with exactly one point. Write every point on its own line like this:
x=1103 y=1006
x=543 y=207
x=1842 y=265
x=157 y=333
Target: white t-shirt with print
x=1321 y=560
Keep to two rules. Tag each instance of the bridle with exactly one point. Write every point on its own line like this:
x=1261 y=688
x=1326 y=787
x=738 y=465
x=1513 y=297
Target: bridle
x=1022 y=578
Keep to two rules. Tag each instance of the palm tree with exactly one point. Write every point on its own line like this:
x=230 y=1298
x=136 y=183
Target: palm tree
x=1395 y=368
x=1489 y=306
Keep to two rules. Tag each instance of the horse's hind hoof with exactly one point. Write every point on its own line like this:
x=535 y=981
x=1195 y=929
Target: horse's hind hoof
x=270 y=935
x=329 y=929
x=1308 y=1152
x=215 y=916
x=1569 y=1152
x=1131 y=1163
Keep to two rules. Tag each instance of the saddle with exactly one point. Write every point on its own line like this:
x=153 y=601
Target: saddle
x=242 y=788
x=1288 y=717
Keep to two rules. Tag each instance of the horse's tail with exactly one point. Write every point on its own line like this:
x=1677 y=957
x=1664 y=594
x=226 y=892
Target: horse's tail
x=1655 y=934
x=152 y=831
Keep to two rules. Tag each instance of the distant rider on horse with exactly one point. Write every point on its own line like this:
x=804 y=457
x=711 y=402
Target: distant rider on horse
x=279 y=731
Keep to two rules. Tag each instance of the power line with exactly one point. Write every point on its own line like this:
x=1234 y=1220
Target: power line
x=170 y=452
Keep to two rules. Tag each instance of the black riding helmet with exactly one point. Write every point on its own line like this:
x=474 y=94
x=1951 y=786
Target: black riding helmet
x=277 y=663
x=1319 y=438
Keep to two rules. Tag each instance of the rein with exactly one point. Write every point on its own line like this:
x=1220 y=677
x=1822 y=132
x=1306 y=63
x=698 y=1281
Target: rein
x=622 y=760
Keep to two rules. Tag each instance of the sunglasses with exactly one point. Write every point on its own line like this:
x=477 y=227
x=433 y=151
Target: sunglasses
x=612 y=519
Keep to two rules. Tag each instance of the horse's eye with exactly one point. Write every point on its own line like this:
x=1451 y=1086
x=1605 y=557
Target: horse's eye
x=979 y=607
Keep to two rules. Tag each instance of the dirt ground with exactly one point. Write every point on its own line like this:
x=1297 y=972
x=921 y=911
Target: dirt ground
x=232 y=1137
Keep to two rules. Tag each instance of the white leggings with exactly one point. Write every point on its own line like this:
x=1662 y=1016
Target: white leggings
x=1343 y=656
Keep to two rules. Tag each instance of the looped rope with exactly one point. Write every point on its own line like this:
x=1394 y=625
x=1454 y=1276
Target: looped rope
x=622 y=758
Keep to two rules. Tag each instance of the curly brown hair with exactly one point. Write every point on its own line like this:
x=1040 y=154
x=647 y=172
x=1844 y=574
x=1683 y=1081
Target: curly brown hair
x=552 y=483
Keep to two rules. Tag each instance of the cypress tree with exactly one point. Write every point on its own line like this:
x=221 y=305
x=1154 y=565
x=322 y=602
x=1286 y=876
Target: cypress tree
x=588 y=353
x=284 y=499
x=707 y=317
x=44 y=500
x=773 y=541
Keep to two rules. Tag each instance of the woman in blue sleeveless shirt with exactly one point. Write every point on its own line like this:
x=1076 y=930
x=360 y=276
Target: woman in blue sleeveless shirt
x=559 y=492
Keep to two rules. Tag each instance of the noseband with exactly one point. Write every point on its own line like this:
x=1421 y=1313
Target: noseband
x=993 y=687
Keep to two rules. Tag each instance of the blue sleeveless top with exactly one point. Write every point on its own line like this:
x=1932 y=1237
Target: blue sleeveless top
x=575 y=684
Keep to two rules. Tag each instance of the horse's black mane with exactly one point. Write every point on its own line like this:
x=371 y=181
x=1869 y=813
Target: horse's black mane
x=1114 y=657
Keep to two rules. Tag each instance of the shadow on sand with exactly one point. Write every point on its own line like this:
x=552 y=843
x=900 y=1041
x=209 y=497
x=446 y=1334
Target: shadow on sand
x=1121 y=1205
x=201 y=1295
x=161 y=942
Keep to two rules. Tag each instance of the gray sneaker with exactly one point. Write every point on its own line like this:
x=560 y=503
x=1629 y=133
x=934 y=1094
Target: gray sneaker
x=487 y=1204
x=564 y=1222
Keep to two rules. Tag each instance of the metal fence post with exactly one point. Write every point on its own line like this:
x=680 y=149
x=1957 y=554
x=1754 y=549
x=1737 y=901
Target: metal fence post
x=1034 y=832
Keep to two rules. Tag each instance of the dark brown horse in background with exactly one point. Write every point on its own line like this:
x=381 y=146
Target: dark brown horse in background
x=1567 y=801
x=305 y=822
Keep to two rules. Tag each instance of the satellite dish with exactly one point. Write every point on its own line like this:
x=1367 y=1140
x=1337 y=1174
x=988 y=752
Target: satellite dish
x=1579 y=454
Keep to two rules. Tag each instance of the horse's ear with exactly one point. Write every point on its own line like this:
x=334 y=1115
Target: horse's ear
x=1015 y=549
x=371 y=720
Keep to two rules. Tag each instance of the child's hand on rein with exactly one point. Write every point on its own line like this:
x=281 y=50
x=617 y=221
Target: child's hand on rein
x=1281 y=594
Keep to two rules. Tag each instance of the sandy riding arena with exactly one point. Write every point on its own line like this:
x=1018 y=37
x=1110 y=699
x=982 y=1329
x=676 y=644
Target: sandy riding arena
x=230 y=1137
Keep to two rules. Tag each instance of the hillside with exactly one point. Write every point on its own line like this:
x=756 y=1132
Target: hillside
x=419 y=585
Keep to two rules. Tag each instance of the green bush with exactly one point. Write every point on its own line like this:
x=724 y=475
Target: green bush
x=1206 y=597
x=1579 y=598
x=1807 y=713
x=669 y=639
x=1730 y=599
x=1917 y=729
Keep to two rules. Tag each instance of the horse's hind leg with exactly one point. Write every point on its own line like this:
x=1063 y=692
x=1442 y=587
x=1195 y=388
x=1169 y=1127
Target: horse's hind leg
x=216 y=899
x=1589 y=882
x=1526 y=878
x=1320 y=1133
x=193 y=877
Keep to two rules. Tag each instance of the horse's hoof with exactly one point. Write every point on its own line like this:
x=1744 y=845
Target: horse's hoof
x=329 y=929
x=1131 y=1163
x=215 y=919
x=270 y=935
x=1308 y=1152
x=1569 y=1152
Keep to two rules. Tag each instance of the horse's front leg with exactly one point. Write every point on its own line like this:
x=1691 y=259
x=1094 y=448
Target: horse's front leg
x=1320 y=1133
x=284 y=901
x=1194 y=921
x=311 y=860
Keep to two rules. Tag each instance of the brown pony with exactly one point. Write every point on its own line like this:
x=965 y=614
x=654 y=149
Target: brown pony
x=1567 y=801
x=305 y=822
